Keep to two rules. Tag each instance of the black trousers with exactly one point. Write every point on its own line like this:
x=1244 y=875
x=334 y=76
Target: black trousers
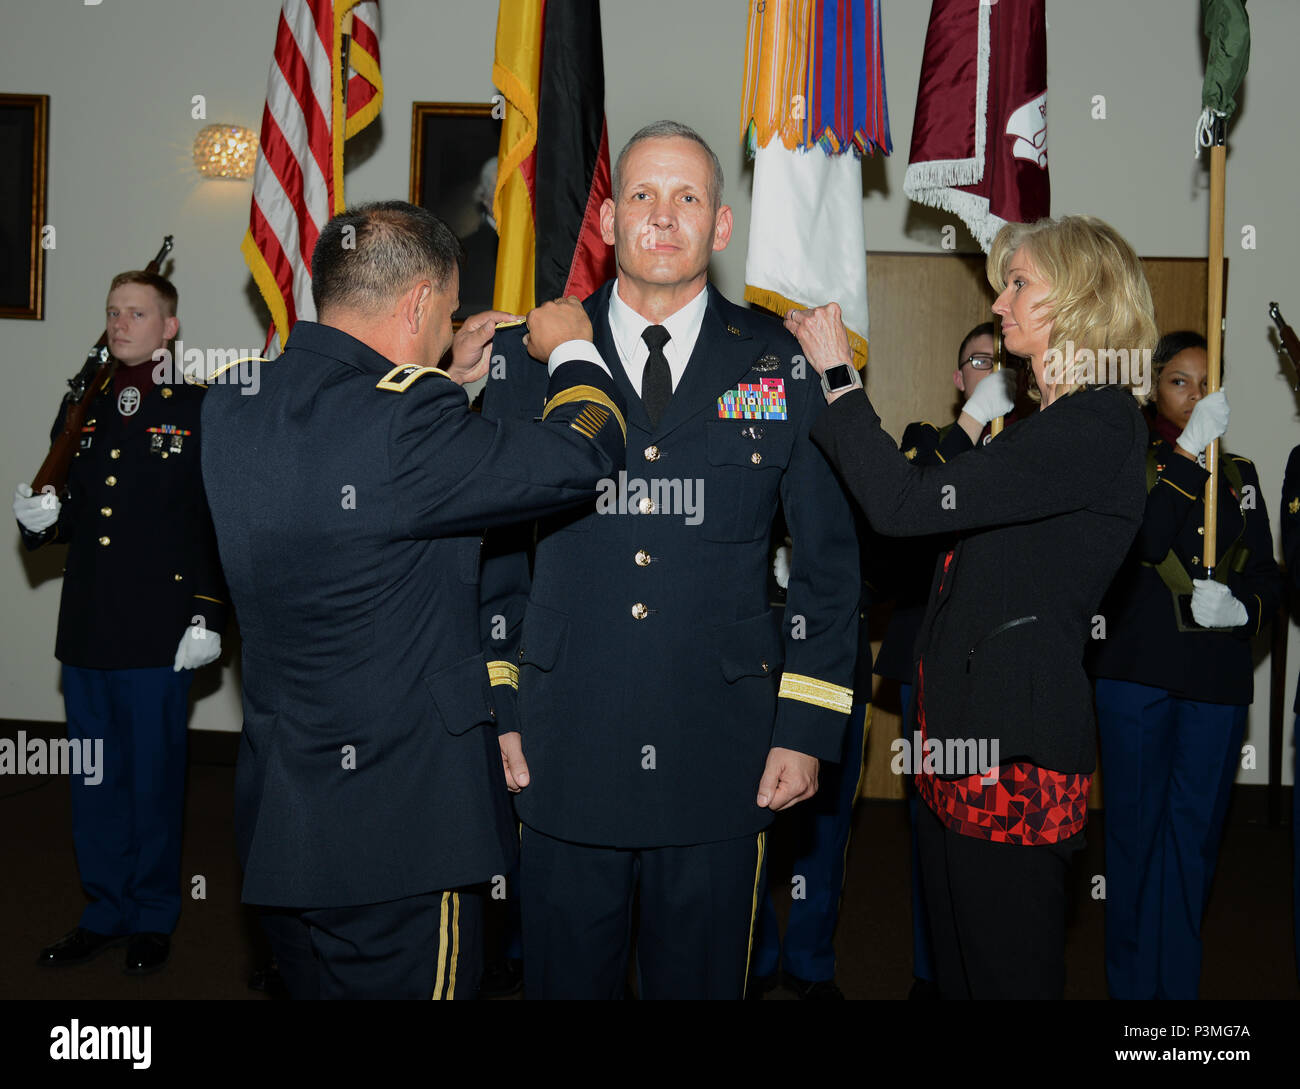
x=420 y=947
x=997 y=913
x=697 y=907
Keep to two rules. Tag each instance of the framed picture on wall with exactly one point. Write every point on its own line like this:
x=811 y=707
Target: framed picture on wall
x=23 y=131
x=453 y=174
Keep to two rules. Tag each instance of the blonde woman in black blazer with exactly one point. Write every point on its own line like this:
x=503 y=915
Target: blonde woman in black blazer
x=1044 y=515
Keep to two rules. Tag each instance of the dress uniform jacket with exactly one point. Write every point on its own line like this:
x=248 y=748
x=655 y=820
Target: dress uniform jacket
x=1290 y=518
x=1143 y=642
x=647 y=654
x=1045 y=515
x=349 y=498
x=142 y=558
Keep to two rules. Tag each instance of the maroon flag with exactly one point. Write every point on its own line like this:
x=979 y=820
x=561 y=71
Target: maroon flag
x=979 y=139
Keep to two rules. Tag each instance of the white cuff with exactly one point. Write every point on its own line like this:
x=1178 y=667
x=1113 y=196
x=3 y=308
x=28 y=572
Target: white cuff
x=574 y=351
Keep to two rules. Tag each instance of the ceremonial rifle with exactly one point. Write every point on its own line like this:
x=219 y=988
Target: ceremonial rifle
x=100 y=366
x=1290 y=343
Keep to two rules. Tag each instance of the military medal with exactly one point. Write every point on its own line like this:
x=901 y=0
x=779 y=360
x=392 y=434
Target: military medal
x=166 y=438
x=762 y=400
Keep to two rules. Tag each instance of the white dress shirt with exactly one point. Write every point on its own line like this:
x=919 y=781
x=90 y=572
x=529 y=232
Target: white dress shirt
x=626 y=326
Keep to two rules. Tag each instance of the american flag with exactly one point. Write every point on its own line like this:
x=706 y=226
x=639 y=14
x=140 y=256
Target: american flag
x=298 y=181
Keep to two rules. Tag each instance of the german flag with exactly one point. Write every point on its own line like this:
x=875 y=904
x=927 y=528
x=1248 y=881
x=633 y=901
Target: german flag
x=553 y=168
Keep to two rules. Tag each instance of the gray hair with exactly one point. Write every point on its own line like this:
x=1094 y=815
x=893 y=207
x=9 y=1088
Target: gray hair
x=668 y=130
x=368 y=255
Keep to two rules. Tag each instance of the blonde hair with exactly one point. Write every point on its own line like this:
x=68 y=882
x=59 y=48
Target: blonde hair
x=1098 y=300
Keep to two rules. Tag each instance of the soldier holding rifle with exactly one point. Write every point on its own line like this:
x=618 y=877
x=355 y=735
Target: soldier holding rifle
x=143 y=605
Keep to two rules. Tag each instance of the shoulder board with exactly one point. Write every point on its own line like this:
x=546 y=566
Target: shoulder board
x=216 y=374
x=400 y=379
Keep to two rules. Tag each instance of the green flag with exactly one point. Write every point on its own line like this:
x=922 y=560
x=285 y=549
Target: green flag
x=1227 y=28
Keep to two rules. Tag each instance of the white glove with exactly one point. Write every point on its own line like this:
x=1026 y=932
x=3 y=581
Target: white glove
x=994 y=396
x=1209 y=420
x=1213 y=605
x=781 y=565
x=35 y=513
x=197 y=648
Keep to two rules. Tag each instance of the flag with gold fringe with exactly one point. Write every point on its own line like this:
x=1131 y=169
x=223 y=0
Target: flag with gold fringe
x=298 y=179
x=813 y=102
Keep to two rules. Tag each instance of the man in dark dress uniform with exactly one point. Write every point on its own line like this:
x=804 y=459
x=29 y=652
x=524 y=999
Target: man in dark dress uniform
x=1291 y=554
x=143 y=606
x=655 y=741
x=349 y=497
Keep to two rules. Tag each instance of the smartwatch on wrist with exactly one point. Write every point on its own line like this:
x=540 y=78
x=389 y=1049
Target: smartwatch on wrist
x=841 y=376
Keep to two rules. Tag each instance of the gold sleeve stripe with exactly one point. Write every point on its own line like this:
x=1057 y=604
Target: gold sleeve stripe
x=585 y=393
x=214 y=600
x=399 y=379
x=1176 y=488
x=834 y=697
x=590 y=420
x=503 y=673
x=943 y=459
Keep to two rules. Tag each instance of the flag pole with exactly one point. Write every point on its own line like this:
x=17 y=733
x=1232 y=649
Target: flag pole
x=997 y=423
x=1214 y=329
x=346 y=45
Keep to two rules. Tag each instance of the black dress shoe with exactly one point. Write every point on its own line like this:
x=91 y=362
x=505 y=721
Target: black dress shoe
x=758 y=986
x=501 y=979
x=268 y=980
x=147 y=953
x=923 y=990
x=77 y=946
x=814 y=989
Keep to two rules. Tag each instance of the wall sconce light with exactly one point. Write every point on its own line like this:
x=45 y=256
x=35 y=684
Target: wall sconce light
x=225 y=151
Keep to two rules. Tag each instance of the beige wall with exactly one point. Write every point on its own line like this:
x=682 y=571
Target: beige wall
x=121 y=77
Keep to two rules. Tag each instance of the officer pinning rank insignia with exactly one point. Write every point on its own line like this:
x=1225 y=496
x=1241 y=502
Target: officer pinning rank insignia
x=762 y=400
x=167 y=439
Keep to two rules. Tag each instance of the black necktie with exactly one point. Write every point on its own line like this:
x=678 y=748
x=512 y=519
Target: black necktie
x=657 y=379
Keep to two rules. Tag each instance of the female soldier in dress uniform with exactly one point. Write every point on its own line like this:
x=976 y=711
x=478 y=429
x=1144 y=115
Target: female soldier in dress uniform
x=1174 y=679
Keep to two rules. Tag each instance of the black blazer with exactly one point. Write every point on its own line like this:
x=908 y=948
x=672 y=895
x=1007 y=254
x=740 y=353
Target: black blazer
x=1142 y=641
x=652 y=728
x=349 y=499
x=1044 y=515
x=904 y=568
